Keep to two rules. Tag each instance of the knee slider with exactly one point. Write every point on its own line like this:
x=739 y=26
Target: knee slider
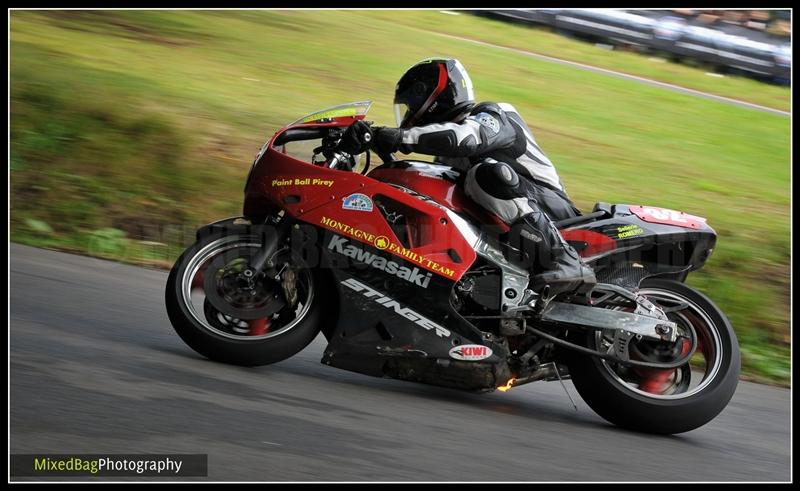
x=498 y=179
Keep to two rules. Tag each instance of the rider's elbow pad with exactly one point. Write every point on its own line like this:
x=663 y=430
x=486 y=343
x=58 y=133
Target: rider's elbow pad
x=446 y=143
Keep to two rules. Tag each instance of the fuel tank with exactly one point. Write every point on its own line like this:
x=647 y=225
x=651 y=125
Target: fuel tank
x=441 y=183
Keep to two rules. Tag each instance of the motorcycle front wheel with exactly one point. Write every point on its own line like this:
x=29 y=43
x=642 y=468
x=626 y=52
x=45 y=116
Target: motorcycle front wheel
x=664 y=401
x=228 y=319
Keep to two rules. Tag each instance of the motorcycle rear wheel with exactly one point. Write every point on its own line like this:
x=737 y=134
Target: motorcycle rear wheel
x=665 y=401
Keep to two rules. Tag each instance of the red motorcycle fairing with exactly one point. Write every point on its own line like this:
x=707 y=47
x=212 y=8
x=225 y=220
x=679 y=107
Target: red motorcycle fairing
x=431 y=180
x=653 y=232
x=587 y=242
x=316 y=195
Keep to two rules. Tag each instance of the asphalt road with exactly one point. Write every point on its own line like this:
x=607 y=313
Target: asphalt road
x=96 y=367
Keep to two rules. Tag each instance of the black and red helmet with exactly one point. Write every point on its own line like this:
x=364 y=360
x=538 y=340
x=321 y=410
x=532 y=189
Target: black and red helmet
x=435 y=90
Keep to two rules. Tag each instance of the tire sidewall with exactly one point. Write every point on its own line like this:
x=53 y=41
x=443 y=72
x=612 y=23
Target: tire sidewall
x=624 y=407
x=247 y=352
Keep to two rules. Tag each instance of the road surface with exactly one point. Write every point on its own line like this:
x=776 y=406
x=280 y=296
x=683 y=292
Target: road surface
x=96 y=367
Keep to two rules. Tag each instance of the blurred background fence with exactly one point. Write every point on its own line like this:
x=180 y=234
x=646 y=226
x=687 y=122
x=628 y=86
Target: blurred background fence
x=755 y=43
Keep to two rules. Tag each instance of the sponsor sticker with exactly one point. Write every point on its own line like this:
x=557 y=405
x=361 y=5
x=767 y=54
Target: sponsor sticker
x=297 y=181
x=390 y=303
x=667 y=217
x=357 y=202
x=470 y=352
x=413 y=275
x=629 y=231
x=382 y=242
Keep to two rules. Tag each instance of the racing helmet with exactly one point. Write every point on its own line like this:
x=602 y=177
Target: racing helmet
x=434 y=90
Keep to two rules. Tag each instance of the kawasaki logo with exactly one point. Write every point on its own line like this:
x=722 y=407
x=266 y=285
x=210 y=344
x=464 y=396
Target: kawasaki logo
x=414 y=275
x=389 y=303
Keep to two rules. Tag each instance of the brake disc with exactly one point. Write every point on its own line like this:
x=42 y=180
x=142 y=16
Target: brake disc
x=235 y=295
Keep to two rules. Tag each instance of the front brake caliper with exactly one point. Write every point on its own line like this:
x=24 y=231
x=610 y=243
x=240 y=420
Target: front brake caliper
x=289 y=284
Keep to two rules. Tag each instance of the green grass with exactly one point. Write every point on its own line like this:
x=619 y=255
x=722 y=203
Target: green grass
x=130 y=128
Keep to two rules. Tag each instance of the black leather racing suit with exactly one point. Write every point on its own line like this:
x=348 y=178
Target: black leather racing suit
x=491 y=139
x=509 y=175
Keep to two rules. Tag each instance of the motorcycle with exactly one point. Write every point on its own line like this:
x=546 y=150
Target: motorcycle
x=407 y=278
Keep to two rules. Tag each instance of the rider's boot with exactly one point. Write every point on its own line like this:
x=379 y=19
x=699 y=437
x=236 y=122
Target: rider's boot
x=559 y=264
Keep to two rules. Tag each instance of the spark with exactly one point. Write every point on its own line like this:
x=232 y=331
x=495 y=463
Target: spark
x=508 y=385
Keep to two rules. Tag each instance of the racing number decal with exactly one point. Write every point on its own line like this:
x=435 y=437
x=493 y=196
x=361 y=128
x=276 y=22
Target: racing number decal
x=667 y=217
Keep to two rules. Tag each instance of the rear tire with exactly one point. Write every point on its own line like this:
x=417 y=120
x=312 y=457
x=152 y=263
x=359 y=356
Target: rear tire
x=193 y=326
x=628 y=407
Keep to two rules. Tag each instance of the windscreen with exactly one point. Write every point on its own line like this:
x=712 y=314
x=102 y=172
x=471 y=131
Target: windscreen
x=344 y=111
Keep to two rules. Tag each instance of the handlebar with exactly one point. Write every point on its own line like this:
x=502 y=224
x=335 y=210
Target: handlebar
x=364 y=141
x=330 y=144
x=299 y=134
x=367 y=138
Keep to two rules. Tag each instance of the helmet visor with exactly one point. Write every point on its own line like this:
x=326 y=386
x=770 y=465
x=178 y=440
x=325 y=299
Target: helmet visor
x=401 y=111
x=413 y=109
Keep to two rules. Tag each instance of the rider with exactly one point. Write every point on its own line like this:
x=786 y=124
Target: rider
x=506 y=171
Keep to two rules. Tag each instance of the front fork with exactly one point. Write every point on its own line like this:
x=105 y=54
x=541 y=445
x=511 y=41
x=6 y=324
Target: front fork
x=270 y=242
x=262 y=260
x=271 y=238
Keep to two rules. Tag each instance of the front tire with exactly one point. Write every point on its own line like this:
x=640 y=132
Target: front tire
x=241 y=340
x=684 y=398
